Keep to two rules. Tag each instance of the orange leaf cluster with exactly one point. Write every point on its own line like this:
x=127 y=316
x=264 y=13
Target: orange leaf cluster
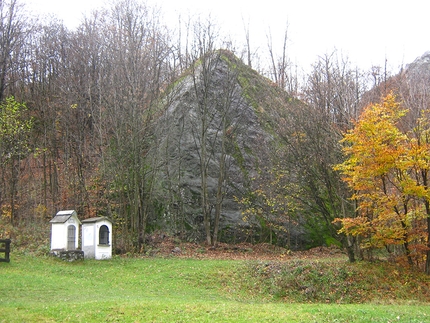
x=387 y=169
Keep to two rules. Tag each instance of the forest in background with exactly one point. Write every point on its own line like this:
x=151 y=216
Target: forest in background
x=79 y=111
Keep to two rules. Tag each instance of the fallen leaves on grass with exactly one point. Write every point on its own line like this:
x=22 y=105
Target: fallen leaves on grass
x=161 y=245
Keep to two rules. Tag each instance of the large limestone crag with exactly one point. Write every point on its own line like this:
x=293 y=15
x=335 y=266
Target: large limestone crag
x=222 y=114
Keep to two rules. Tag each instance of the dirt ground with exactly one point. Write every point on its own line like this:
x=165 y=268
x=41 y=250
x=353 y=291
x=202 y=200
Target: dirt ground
x=164 y=246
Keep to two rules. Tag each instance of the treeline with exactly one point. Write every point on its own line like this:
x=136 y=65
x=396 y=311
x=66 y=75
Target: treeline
x=78 y=111
x=91 y=95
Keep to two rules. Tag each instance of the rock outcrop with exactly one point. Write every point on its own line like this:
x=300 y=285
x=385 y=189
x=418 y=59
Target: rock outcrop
x=222 y=114
x=420 y=64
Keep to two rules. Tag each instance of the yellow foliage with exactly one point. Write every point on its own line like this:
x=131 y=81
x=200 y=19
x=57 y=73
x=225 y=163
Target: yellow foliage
x=6 y=212
x=387 y=170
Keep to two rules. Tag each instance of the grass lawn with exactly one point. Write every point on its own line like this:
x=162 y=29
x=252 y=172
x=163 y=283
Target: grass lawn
x=45 y=289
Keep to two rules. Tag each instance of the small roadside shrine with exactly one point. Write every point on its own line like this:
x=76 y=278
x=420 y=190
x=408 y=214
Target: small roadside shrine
x=97 y=238
x=65 y=231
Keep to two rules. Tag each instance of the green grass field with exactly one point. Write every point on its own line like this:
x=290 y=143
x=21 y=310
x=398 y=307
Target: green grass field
x=44 y=289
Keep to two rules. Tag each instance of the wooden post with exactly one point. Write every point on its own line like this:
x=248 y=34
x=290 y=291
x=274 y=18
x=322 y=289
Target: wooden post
x=6 y=250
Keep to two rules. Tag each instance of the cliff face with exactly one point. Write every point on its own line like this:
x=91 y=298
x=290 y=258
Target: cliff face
x=419 y=65
x=219 y=118
x=413 y=79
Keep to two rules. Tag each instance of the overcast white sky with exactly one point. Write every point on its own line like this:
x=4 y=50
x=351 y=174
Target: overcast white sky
x=367 y=31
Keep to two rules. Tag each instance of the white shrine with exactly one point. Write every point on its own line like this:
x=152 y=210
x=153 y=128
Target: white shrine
x=97 y=238
x=65 y=231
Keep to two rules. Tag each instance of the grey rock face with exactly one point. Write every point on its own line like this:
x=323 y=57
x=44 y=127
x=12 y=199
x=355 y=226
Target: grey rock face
x=419 y=64
x=235 y=114
x=209 y=107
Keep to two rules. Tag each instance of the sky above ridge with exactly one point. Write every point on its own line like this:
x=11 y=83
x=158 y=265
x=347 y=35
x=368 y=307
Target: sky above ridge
x=367 y=32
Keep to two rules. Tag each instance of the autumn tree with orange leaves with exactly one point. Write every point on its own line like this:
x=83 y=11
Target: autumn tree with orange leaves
x=386 y=167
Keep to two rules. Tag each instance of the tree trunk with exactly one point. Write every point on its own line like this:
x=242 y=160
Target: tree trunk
x=427 y=268
x=220 y=191
x=204 y=173
x=427 y=206
x=350 y=248
x=12 y=193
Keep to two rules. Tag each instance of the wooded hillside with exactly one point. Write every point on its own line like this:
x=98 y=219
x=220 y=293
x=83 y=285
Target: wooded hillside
x=172 y=131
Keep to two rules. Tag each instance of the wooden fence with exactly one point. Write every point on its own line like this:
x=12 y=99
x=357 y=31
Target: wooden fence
x=5 y=247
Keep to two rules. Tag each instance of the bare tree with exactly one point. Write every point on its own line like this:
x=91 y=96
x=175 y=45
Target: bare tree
x=248 y=43
x=204 y=52
x=311 y=135
x=13 y=31
x=40 y=81
x=136 y=59
x=335 y=89
x=205 y=120
x=282 y=71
